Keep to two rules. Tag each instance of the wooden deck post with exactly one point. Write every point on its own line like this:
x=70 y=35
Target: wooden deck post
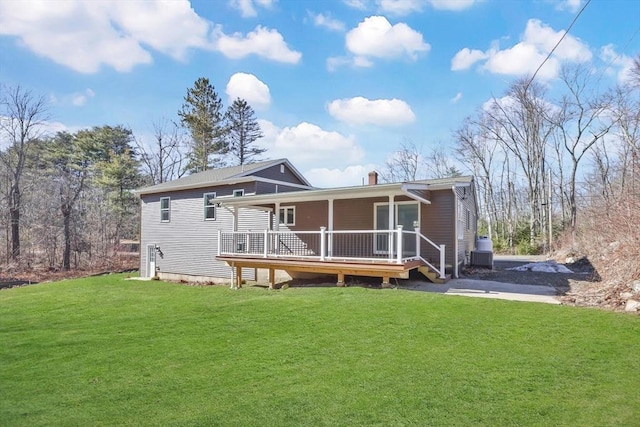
x=238 y=277
x=385 y=282
x=340 y=282
x=272 y=278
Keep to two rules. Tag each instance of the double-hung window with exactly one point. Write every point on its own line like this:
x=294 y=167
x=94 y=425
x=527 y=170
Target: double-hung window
x=165 y=209
x=209 y=206
x=288 y=215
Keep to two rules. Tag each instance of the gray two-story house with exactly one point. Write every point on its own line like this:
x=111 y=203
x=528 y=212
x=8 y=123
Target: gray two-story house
x=232 y=223
x=180 y=219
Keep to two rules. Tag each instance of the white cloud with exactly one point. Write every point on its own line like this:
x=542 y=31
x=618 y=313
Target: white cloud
x=466 y=57
x=382 y=112
x=522 y=59
x=247 y=7
x=80 y=98
x=250 y=88
x=400 y=7
x=85 y=35
x=357 y=4
x=406 y=7
x=375 y=37
x=614 y=61
x=456 y=98
x=307 y=144
x=326 y=21
x=569 y=5
x=349 y=176
x=526 y=56
x=262 y=42
x=454 y=5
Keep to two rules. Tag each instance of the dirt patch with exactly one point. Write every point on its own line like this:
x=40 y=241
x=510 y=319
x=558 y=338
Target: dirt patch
x=581 y=271
x=582 y=287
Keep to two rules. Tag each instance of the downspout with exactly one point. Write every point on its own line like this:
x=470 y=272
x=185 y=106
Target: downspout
x=455 y=232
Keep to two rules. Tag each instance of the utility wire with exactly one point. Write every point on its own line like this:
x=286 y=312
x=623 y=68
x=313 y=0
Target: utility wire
x=558 y=43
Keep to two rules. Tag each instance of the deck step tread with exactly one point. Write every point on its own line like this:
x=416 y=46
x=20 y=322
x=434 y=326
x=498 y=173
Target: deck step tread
x=432 y=275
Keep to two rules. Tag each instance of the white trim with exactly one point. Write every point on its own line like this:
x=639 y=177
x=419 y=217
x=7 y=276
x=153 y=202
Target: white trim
x=393 y=216
x=285 y=210
x=240 y=190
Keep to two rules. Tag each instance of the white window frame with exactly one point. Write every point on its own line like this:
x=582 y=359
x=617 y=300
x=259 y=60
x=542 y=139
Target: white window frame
x=167 y=209
x=205 y=197
x=281 y=168
x=377 y=250
x=283 y=214
x=241 y=191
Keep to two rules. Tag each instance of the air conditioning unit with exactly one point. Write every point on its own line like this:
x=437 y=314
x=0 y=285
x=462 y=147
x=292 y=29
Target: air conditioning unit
x=482 y=259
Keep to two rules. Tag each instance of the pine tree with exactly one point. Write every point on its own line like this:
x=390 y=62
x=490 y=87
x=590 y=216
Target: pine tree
x=243 y=130
x=201 y=114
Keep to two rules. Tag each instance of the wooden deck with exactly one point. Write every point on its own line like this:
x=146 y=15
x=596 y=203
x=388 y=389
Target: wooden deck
x=381 y=268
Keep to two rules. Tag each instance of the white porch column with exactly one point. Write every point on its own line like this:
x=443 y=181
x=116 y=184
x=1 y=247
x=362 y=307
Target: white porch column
x=330 y=228
x=392 y=223
x=235 y=218
x=276 y=220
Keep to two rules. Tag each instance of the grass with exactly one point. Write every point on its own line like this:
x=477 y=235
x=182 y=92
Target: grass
x=105 y=351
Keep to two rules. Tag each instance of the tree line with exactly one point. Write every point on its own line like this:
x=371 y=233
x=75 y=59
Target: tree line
x=542 y=163
x=66 y=199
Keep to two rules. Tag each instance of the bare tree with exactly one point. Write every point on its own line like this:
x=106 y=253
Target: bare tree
x=519 y=124
x=477 y=152
x=21 y=123
x=403 y=165
x=163 y=160
x=579 y=123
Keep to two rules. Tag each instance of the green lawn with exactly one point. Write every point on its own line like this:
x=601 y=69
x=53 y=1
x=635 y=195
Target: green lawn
x=105 y=351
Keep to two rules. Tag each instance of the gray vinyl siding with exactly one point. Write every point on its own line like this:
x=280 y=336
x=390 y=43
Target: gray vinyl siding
x=274 y=173
x=269 y=187
x=188 y=242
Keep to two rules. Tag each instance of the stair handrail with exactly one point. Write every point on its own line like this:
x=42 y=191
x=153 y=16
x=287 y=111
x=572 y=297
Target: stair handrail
x=439 y=248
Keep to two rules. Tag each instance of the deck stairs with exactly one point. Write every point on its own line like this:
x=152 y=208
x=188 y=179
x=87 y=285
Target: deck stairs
x=433 y=276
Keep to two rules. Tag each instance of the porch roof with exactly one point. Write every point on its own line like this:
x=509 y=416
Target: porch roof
x=410 y=189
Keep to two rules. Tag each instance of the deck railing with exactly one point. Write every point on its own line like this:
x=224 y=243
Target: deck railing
x=392 y=246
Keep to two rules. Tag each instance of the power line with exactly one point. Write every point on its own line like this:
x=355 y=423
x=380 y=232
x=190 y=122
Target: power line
x=559 y=41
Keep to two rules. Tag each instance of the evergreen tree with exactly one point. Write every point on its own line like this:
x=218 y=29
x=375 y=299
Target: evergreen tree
x=202 y=115
x=243 y=130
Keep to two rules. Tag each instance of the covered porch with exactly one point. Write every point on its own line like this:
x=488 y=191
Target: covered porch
x=367 y=231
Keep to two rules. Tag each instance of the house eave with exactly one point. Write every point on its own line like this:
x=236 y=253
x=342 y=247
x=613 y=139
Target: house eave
x=233 y=181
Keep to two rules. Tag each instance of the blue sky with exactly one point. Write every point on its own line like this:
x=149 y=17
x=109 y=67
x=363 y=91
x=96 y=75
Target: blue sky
x=337 y=85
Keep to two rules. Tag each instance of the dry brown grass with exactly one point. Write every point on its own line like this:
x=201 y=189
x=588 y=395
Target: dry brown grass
x=609 y=236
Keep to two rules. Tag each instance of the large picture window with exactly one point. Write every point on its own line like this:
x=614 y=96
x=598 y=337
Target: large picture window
x=165 y=209
x=288 y=215
x=209 y=206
